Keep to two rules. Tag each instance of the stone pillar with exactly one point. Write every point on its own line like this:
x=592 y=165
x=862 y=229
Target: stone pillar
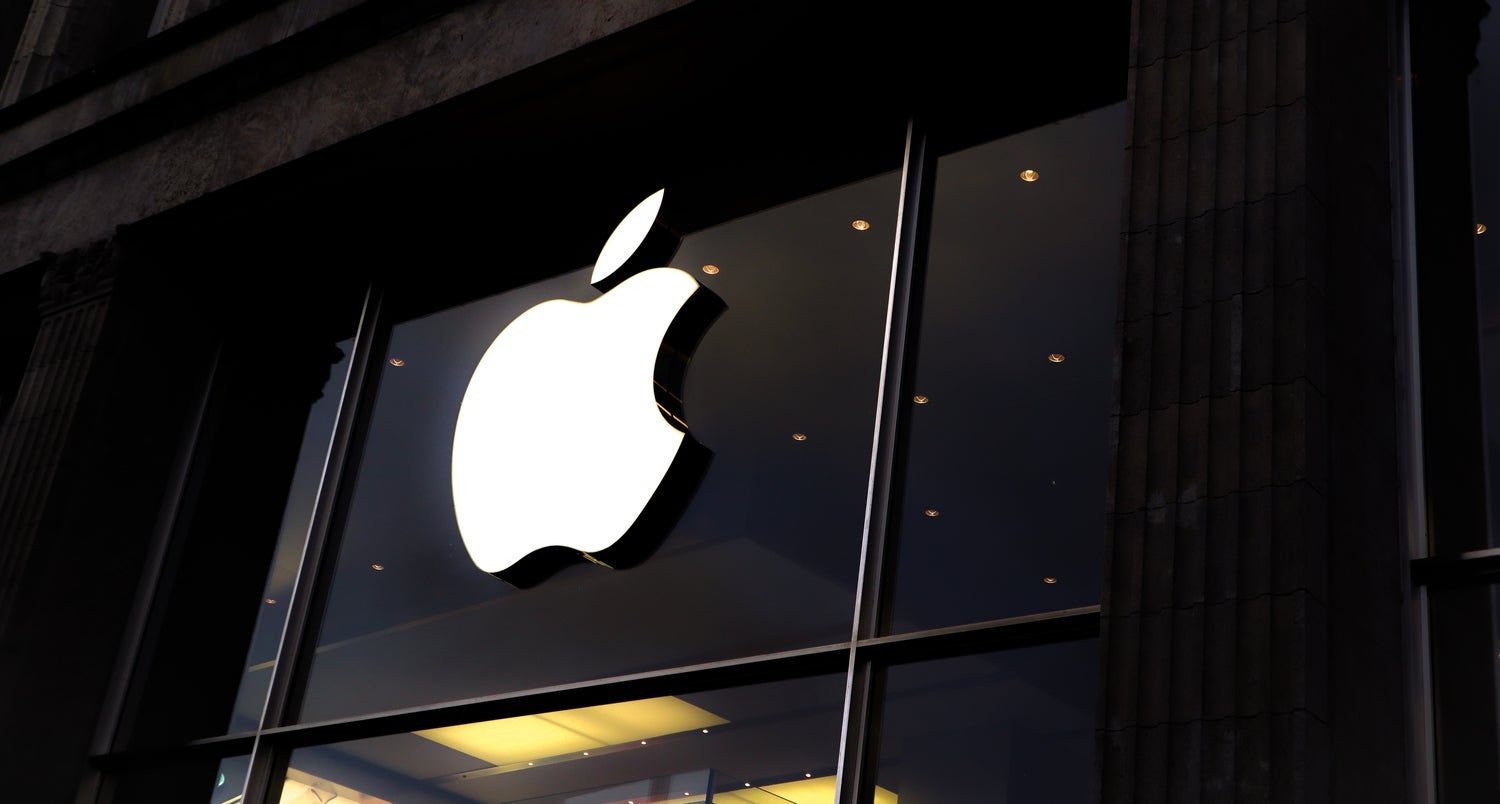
x=75 y=298
x=1253 y=547
x=85 y=453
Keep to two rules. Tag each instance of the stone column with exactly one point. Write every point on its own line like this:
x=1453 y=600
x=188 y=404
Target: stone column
x=75 y=298
x=1254 y=553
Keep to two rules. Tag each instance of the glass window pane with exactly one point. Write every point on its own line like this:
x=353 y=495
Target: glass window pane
x=1009 y=442
x=257 y=462
x=761 y=744
x=781 y=392
x=199 y=780
x=1465 y=644
x=265 y=640
x=1009 y=726
x=1484 y=110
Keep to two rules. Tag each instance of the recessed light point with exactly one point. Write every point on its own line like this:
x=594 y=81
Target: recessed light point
x=1049 y=579
x=861 y=224
x=1056 y=357
x=920 y=399
x=397 y=362
x=710 y=269
x=799 y=436
x=378 y=567
x=585 y=753
x=1480 y=228
x=705 y=731
x=932 y=512
x=271 y=601
x=808 y=775
x=1030 y=175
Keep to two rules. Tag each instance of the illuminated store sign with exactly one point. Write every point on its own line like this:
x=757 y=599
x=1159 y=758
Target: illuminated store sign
x=571 y=440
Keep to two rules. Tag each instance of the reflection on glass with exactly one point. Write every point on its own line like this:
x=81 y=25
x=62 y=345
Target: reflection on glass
x=296 y=520
x=229 y=781
x=1009 y=432
x=1012 y=726
x=763 y=558
x=763 y=744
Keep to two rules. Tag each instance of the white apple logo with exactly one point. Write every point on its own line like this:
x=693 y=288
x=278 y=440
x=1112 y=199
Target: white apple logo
x=570 y=435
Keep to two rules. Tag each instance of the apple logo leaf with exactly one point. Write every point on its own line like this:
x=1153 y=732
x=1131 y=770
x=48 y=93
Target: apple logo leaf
x=572 y=440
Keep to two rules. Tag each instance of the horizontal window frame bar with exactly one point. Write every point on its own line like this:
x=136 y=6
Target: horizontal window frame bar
x=936 y=643
x=1473 y=567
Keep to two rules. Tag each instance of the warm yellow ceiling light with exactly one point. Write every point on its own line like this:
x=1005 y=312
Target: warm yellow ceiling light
x=516 y=740
x=822 y=790
x=305 y=788
x=1480 y=228
x=861 y=224
x=1030 y=175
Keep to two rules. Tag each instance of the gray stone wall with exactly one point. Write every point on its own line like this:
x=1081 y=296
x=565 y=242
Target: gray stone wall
x=1254 y=551
x=473 y=45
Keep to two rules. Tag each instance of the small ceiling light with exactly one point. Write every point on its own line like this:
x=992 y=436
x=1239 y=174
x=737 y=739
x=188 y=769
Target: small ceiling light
x=397 y=362
x=1030 y=175
x=710 y=269
x=799 y=436
x=861 y=224
x=1480 y=228
x=585 y=753
x=529 y=764
x=1049 y=580
x=747 y=784
x=378 y=567
x=920 y=399
x=643 y=742
x=931 y=512
x=271 y=600
x=1056 y=357
x=705 y=731
x=808 y=775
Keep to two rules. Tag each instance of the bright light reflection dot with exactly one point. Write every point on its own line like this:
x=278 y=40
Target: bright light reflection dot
x=710 y=269
x=397 y=362
x=1030 y=175
x=271 y=600
x=585 y=753
x=1049 y=580
x=932 y=512
x=861 y=225
x=643 y=742
x=705 y=731
x=1056 y=357
x=378 y=567
x=799 y=436
x=808 y=775
x=1480 y=228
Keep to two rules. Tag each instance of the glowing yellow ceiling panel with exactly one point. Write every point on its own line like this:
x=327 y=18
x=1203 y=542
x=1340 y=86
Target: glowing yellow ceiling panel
x=533 y=737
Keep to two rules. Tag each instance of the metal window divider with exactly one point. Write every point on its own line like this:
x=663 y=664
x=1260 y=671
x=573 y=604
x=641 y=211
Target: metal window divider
x=883 y=500
x=268 y=758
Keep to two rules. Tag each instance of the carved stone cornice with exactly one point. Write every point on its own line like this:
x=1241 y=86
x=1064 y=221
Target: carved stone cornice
x=78 y=276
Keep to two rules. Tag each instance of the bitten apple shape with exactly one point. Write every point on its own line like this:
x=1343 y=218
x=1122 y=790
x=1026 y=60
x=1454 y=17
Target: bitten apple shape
x=563 y=445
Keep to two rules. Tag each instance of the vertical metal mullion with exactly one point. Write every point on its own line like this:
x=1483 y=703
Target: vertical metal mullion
x=883 y=501
x=268 y=759
x=1409 y=446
